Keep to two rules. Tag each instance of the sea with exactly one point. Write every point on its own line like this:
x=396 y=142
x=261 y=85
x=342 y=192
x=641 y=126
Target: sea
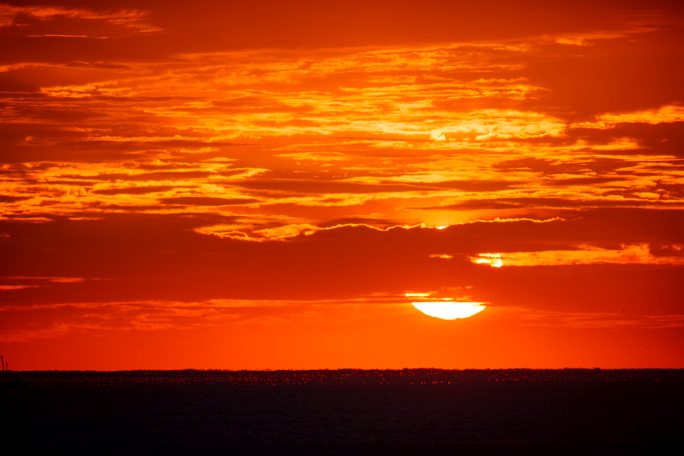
x=347 y=411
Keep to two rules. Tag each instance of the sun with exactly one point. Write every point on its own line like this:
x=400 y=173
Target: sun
x=446 y=308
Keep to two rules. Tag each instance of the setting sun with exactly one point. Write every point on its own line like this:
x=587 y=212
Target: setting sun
x=444 y=308
x=449 y=310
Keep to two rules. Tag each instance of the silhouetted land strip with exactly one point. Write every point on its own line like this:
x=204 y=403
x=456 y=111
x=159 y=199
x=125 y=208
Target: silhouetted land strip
x=414 y=411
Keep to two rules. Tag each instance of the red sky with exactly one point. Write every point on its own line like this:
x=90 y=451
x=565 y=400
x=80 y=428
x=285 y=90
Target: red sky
x=258 y=184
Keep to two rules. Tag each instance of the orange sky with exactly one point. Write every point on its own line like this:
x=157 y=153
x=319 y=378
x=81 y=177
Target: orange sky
x=257 y=184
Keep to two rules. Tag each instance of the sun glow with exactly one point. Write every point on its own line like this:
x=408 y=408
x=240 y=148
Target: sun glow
x=492 y=259
x=445 y=308
x=449 y=310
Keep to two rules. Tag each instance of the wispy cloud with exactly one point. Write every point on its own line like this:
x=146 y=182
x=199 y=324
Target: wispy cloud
x=23 y=16
x=627 y=254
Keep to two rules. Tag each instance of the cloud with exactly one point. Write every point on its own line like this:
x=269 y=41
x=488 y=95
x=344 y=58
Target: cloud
x=207 y=201
x=418 y=133
x=627 y=254
x=617 y=321
x=26 y=16
x=664 y=114
x=162 y=257
x=112 y=317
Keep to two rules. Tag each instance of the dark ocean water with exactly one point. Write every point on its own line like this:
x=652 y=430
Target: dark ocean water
x=422 y=411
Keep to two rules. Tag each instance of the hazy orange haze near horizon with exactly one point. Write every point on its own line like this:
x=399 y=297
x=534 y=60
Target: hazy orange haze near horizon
x=258 y=184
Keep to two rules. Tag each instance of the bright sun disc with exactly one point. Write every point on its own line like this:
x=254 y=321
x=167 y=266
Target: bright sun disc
x=449 y=310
